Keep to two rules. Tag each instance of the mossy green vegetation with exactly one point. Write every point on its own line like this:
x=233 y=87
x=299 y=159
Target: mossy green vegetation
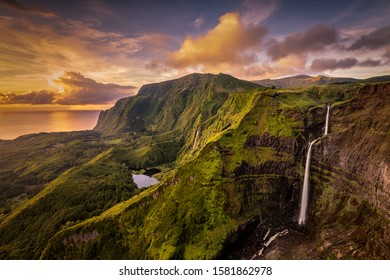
x=30 y=162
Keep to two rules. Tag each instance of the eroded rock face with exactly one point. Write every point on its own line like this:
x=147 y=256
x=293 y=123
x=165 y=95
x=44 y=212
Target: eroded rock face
x=351 y=178
x=349 y=209
x=280 y=144
x=359 y=151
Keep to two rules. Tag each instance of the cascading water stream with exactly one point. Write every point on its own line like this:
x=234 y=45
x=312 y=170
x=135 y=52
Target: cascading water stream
x=305 y=189
x=196 y=138
x=327 y=120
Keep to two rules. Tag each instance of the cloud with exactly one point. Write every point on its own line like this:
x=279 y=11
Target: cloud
x=81 y=90
x=370 y=63
x=257 y=11
x=15 y=5
x=76 y=90
x=286 y=66
x=301 y=43
x=333 y=64
x=255 y=71
x=40 y=97
x=387 y=54
x=230 y=42
x=197 y=23
x=31 y=50
x=374 y=40
x=323 y=64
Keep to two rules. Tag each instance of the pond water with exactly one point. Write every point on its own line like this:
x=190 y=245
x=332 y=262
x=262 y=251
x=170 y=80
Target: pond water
x=143 y=181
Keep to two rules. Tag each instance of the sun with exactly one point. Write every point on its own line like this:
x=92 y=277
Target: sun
x=52 y=80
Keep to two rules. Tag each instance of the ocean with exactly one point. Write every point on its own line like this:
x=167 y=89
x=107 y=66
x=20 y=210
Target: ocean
x=17 y=121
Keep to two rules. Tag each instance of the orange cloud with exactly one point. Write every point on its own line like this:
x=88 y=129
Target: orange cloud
x=30 y=51
x=230 y=42
x=36 y=97
x=81 y=90
x=76 y=90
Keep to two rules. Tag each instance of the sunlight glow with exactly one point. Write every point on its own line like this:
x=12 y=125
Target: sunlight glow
x=53 y=83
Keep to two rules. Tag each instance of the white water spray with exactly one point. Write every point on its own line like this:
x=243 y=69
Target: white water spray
x=270 y=240
x=327 y=120
x=305 y=190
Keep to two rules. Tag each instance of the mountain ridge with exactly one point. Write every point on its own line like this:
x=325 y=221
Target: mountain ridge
x=306 y=80
x=176 y=90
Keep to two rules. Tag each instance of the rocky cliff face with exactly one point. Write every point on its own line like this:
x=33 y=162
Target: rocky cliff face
x=353 y=165
x=349 y=208
x=359 y=145
x=171 y=105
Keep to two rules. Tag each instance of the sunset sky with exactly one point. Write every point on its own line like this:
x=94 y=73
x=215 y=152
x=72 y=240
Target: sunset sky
x=94 y=52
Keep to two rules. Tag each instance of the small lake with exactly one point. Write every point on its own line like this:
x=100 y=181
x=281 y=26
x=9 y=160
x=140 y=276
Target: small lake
x=143 y=181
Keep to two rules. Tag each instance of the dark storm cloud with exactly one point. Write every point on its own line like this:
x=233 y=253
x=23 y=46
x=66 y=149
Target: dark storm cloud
x=374 y=40
x=314 y=39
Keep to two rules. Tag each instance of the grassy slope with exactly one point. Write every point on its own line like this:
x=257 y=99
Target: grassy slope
x=77 y=194
x=30 y=162
x=160 y=122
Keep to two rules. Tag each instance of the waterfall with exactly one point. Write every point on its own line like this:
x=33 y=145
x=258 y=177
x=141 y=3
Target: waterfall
x=305 y=190
x=327 y=120
x=196 y=138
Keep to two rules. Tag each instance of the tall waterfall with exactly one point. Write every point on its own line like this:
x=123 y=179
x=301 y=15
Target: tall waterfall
x=305 y=190
x=327 y=120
